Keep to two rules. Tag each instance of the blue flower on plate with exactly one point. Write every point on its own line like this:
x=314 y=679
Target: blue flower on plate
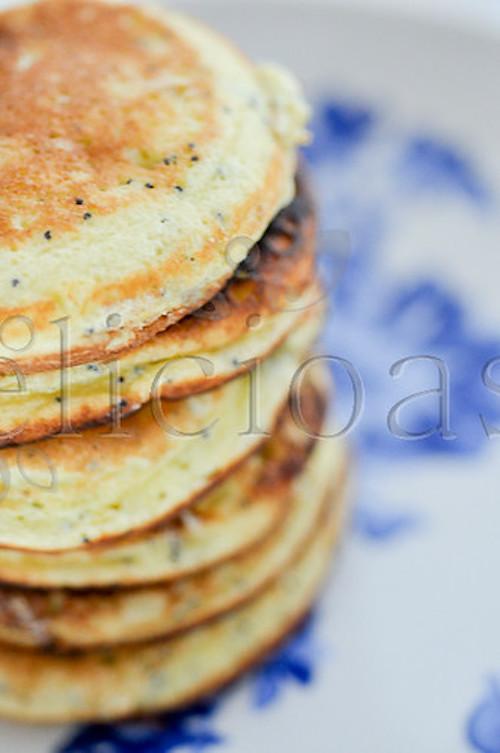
x=428 y=164
x=483 y=726
x=190 y=730
x=339 y=127
x=379 y=523
x=295 y=662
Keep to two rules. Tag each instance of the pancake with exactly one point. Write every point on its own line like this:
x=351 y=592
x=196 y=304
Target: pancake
x=271 y=293
x=70 y=620
x=219 y=526
x=68 y=492
x=238 y=514
x=134 y=180
x=128 y=681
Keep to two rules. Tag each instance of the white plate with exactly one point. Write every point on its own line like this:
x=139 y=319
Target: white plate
x=404 y=650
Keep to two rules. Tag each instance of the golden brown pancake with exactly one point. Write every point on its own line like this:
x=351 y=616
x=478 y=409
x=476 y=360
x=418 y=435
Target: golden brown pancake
x=111 y=482
x=128 y=681
x=72 y=620
x=271 y=293
x=238 y=513
x=141 y=157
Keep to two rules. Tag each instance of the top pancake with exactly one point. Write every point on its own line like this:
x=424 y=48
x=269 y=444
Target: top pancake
x=269 y=296
x=136 y=172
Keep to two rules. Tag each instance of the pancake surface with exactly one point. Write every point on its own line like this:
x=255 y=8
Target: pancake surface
x=235 y=516
x=132 y=181
x=68 y=620
x=271 y=293
x=71 y=491
x=148 y=678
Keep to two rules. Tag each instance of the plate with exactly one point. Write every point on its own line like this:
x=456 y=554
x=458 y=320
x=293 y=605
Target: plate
x=403 y=651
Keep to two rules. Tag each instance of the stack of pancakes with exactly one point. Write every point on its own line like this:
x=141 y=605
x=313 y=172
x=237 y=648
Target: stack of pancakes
x=167 y=511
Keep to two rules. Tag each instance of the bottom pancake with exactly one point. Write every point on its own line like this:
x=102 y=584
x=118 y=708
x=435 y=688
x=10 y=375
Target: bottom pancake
x=72 y=620
x=128 y=681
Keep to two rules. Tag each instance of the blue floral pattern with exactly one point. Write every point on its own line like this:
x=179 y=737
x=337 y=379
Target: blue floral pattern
x=483 y=727
x=378 y=522
x=429 y=165
x=188 y=730
x=295 y=662
x=374 y=322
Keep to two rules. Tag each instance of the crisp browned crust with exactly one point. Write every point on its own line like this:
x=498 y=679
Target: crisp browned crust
x=88 y=417
x=277 y=270
x=44 y=314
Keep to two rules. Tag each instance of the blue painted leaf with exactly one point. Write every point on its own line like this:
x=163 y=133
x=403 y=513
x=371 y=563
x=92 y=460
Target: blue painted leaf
x=189 y=730
x=429 y=164
x=380 y=524
x=483 y=726
x=294 y=663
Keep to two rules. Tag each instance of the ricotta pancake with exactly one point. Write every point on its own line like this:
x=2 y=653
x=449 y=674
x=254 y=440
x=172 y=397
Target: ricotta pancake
x=71 y=620
x=106 y=483
x=135 y=175
x=271 y=293
x=238 y=514
x=128 y=681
